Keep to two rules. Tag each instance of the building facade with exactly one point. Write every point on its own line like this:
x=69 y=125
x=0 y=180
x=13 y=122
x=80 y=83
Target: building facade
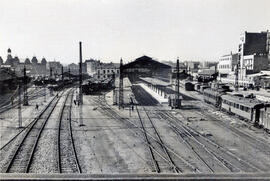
x=252 y=58
x=33 y=67
x=227 y=64
x=107 y=70
x=55 y=66
x=92 y=66
x=253 y=53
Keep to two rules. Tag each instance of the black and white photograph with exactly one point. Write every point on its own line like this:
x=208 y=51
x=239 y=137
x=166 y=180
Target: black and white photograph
x=135 y=90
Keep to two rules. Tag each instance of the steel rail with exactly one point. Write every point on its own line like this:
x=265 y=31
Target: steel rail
x=42 y=128
x=156 y=165
x=118 y=117
x=72 y=138
x=244 y=136
x=60 y=167
x=188 y=142
x=26 y=135
x=192 y=131
x=176 y=169
x=15 y=104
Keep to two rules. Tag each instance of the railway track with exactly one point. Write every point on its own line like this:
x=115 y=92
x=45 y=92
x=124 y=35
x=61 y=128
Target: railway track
x=229 y=160
x=67 y=156
x=246 y=137
x=188 y=167
x=20 y=160
x=154 y=160
x=31 y=96
x=172 y=164
x=256 y=143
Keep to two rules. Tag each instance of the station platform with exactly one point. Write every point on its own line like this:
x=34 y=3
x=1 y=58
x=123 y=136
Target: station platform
x=155 y=94
x=162 y=89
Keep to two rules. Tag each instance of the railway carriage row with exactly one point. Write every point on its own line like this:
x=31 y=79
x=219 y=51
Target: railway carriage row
x=248 y=108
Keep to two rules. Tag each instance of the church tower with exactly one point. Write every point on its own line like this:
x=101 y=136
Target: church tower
x=9 y=56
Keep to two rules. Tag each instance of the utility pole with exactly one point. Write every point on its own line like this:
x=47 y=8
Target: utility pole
x=25 y=95
x=121 y=89
x=177 y=88
x=19 y=106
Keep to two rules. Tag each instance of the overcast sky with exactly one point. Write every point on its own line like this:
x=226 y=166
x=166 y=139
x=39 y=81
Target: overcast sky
x=109 y=29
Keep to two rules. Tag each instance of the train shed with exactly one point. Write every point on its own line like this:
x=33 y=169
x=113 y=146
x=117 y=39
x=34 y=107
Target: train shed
x=146 y=67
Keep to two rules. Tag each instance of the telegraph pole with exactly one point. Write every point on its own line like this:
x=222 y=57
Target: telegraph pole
x=44 y=89
x=25 y=95
x=177 y=88
x=51 y=91
x=80 y=90
x=19 y=106
x=69 y=73
x=62 y=72
x=236 y=76
x=121 y=89
x=50 y=72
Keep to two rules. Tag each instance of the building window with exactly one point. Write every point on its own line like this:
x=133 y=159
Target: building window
x=104 y=71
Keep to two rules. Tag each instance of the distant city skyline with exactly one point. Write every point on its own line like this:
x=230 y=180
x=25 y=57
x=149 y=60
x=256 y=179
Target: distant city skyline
x=194 y=30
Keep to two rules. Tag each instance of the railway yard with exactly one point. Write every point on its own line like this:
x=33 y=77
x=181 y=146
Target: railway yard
x=149 y=137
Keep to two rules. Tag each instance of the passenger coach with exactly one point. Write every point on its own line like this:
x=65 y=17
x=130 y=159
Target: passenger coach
x=213 y=96
x=246 y=108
